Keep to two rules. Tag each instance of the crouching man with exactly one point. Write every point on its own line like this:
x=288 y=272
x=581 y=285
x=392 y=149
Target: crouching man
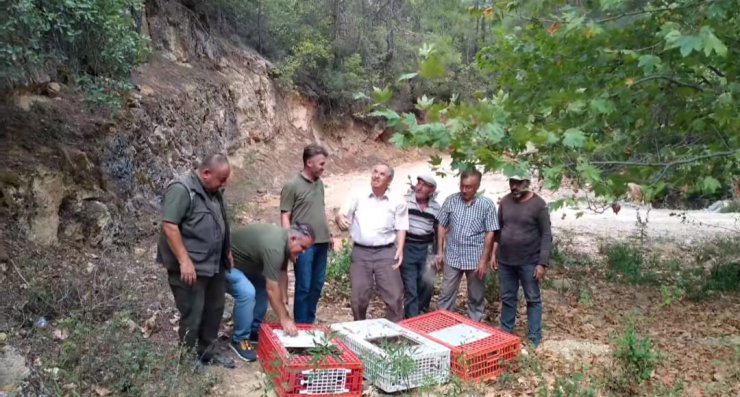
x=261 y=253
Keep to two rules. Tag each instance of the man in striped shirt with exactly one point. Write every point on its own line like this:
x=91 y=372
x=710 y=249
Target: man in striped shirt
x=417 y=281
x=467 y=225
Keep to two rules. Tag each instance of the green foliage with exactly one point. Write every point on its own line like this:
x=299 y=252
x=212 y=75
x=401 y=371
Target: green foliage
x=574 y=385
x=331 y=49
x=602 y=94
x=723 y=257
x=723 y=278
x=113 y=356
x=635 y=356
x=671 y=293
x=337 y=269
x=625 y=262
x=95 y=42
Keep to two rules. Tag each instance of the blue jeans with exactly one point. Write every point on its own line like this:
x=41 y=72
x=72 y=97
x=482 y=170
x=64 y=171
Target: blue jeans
x=310 y=269
x=509 y=279
x=417 y=284
x=250 y=303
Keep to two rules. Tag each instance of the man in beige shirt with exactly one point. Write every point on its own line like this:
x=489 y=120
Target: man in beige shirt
x=377 y=221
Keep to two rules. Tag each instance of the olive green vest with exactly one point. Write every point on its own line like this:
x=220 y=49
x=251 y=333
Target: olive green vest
x=205 y=238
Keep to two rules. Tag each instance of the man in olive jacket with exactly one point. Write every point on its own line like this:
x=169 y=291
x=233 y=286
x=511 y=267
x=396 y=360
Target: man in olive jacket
x=194 y=247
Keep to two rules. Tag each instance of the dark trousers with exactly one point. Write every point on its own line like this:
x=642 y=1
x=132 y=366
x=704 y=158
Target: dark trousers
x=201 y=307
x=418 y=281
x=510 y=277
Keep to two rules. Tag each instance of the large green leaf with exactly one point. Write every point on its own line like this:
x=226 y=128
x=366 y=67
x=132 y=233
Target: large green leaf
x=573 y=138
x=710 y=184
x=712 y=43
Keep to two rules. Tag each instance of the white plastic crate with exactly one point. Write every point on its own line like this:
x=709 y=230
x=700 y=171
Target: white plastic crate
x=394 y=366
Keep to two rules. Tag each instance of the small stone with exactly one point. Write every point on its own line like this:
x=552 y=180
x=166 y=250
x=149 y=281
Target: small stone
x=131 y=325
x=60 y=334
x=3 y=337
x=53 y=89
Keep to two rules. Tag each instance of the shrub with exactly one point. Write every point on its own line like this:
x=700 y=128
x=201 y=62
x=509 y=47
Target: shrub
x=635 y=356
x=114 y=357
x=337 y=269
x=624 y=262
x=96 y=40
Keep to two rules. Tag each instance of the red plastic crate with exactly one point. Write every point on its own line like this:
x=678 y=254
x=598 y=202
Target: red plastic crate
x=476 y=361
x=297 y=375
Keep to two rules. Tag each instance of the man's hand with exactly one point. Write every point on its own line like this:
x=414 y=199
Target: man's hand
x=493 y=263
x=331 y=243
x=342 y=222
x=482 y=269
x=187 y=272
x=289 y=326
x=398 y=258
x=439 y=262
x=539 y=273
x=231 y=260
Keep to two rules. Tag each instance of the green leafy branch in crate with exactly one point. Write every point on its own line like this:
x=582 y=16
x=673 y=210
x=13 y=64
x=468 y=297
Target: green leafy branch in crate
x=399 y=359
x=324 y=349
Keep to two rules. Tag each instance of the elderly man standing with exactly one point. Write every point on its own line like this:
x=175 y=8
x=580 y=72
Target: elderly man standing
x=377 y=221
x=423 y=211
x=302 y=200
x=467 y=225
x=522 y=254
x=194 y=247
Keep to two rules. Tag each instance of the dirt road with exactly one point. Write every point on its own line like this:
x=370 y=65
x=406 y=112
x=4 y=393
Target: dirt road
x=697 y=224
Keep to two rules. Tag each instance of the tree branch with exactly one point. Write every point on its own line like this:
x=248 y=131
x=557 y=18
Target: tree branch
x=671 y=79
x=670 y=163
x=716 y=71
x=650 y=11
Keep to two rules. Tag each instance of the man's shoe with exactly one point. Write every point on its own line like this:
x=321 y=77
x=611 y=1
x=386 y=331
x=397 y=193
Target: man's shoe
x=244 y=350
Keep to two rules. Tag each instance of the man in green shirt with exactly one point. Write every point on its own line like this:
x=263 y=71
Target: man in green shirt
x=261 y=253
x=194 y=248
x=302 y=200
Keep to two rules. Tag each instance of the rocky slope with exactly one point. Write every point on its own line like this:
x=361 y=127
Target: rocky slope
x=80 y=189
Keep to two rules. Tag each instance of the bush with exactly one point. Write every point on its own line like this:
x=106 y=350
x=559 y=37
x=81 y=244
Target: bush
x=337 y=270
x=635 y=356
x=93 y=39
x=113 y=357
x=624 y=262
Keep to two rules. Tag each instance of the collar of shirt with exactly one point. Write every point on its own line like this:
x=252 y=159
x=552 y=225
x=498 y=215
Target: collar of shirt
x=307 y=179
x=384 y=196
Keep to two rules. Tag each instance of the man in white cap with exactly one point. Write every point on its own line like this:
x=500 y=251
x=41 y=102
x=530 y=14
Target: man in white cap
x=417 y=280
x=521 y=253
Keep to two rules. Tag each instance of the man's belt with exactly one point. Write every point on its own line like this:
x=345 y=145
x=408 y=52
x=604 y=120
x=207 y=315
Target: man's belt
x=374 y=246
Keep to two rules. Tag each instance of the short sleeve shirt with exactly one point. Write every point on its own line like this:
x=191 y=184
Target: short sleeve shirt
x=176 y=203
x=304 y=199
x=375 y=220
x=260 y=249
x=467 y=225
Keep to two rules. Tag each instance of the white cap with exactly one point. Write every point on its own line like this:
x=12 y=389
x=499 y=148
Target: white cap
x=428 y=179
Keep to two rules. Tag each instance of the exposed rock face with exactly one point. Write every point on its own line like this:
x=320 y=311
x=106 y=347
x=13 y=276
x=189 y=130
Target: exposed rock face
x=84 y=180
